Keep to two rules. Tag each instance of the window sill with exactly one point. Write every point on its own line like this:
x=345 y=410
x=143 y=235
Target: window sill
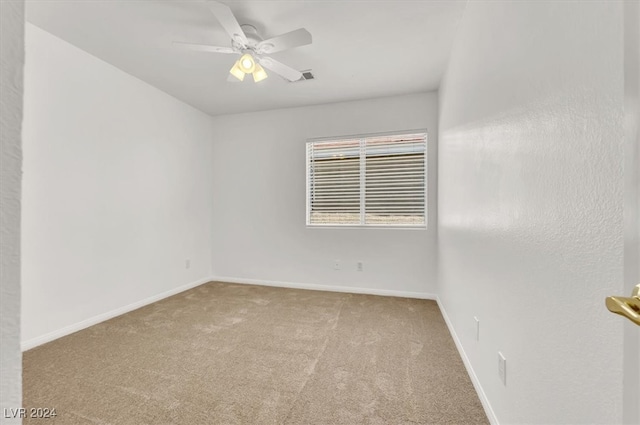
x=364 y=227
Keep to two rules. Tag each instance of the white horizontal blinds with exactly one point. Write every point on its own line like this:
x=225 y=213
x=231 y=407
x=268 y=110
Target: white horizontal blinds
x=395 y=180
x=376 y=180
x=334 y=182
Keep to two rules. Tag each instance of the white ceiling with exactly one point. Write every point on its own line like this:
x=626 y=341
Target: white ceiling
x=361 y=49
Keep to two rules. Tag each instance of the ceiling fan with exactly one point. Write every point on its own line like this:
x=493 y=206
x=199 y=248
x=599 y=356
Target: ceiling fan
x=246 y=42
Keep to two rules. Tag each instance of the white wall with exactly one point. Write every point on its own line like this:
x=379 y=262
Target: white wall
x=531 y=205
x=259 y=184
x=631 y=365
x=11 y=83
x=117 y=189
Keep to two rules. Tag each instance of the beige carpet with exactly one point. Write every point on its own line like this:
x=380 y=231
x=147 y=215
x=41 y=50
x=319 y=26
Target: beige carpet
x=238 y=354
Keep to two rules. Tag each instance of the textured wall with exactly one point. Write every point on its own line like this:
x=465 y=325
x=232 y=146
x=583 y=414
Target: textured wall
x=531 y=205
x=632 y=204
x=259 y=186
x=11 y=63
x=116 y=189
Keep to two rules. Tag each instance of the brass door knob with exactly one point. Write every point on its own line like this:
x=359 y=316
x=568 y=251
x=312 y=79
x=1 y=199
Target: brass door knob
x=627 y=307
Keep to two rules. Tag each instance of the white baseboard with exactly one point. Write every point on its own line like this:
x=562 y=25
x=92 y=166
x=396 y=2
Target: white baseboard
x=467 y=364
x=48 y=337
x=330 y=288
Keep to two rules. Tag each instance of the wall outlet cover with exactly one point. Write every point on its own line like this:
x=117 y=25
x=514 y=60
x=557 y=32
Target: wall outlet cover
x=477 y=321
x=502 y=368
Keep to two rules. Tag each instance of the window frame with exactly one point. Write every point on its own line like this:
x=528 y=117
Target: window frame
x=362 y=225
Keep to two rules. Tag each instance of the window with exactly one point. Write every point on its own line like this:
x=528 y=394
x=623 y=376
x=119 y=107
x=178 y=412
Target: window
x=374 y=180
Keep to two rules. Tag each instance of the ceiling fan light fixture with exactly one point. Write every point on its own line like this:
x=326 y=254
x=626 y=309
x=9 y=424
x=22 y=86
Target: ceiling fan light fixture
x=237 y=71
x=247 y=64
x=246 y=41
x=259 y=74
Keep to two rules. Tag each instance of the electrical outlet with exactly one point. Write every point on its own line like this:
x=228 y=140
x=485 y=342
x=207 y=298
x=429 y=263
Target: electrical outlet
x=502 y=368
x=187 y=264
x=336 y=265
x=359 y=266
x=477 y=328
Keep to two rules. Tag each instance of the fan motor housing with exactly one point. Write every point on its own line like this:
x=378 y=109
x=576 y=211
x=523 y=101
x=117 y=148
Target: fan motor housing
x=251 y=33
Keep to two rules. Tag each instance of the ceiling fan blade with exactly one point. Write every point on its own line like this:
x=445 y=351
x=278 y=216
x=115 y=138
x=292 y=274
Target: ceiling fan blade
x=225 y=16
x=281 y=69
x=297 y=38
x=204 y=47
